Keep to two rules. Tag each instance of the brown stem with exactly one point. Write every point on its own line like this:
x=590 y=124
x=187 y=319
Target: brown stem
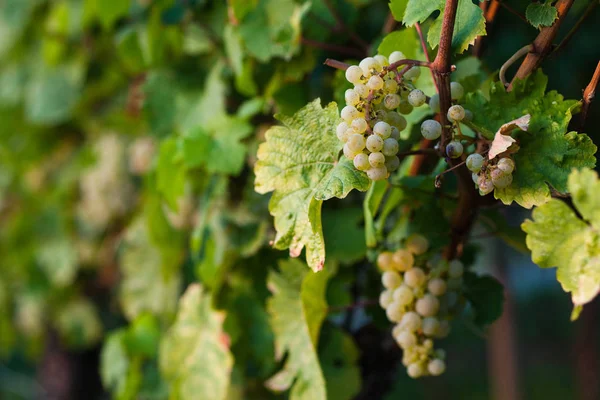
x=390 y=24
x=588 y=96
x=336 y=64
x=575 y=27
x=332 y=47
x=513 y=11
x=518 y=54
x=424 y=47
x=542 y=45
x=406 y=61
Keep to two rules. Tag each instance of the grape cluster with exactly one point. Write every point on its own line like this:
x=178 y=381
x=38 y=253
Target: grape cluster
x=372 y=119
x=487 y=175
x=421 y=295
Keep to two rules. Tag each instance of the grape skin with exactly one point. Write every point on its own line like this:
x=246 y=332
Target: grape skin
x=361 y=162
x=390 y=147
x=454 y=149
x=456 y=113
x=377 y=174
x=416 y=98
x=431 y=129
x=377 y=160
x=475 y=162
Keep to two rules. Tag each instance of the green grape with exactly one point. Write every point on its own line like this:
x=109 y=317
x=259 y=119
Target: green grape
x=397 y=120
x=382 y=60
x=382 y=129
x=374 y=143
x=391 y=101
x=456 y=113
x=457 y=91
x=455 y=269
x=377 y=174
x=503 y=181
x=350 y=154
x=454 y=149
x=390 y=86
x=362 y=90
x=361 y=162
x=434 y=103
x=405 y=107
x=395 y=134
x=390 y=147
x=392 y=163
x=396 y=56
x=352 y=98
x=475 y=178
x=431 y=129
x=486 y=185
x=377 y=160
x=413 y=74
x=506 y=165
x=369 y=66
x=416 y=98
x=356 y=142
x=417 y=244
x=475 y=162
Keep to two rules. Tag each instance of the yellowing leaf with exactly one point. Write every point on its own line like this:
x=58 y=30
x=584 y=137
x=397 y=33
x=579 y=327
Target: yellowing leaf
x=502 y=140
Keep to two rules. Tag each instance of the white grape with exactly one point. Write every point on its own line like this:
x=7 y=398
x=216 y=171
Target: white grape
x=385 y=260
x=392 y=163
x=414 y=277
x=406 y=339
x=456 y=113
x=430 y=325
x=374 y=143
x=428 y=305
x=377 y=174
x=503 y=181
x=403 y=259
x=382 y=60
x=454 y=149
x=349 y=113
x=375 y=82
x=356 y=142
x=437 y=286
x=434 y=103
x=403 y=295
x=394 y=312
x=352 y=98
x=431 y=129
x=385 y=299
x=475 y=178
x=382 y=129
x=475 y=162
x=362 y=90
x=415 y=370
x=369 y=65
x=416 y=98
x=349 y=153
x=506 y=165
x=436 y=367
x=443 y=329
x=361 y=162
x=391 y=101
x=395 y=133
x=411 y=321
x=390 y=86
x=405 y=107
x=485 y=185
x=359 y=125
x=380 y=115
x=340 y=131
x=397 y=120
x=455 y=269
x=354 y=74
x=413 y=73
x=377 y=159
x=390 y=147
x=391 y=279
x=396 y=56
x=457 y=91
x=417 y=244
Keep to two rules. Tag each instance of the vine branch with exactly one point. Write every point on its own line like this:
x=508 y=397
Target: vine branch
x=576 y=27
x=518 y=54
x=588 y=95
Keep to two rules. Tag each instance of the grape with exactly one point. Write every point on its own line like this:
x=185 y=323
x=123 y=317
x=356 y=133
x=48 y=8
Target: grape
x=403 y=259
x=454 y=149
x=391 y=101
x=392 y=163
x=457 y=90
x=382 y=129
x=485 y=185
x=413 y=73
x=385 y=261
x=396 y=56
x=350 y=154
x=475 y=162
x=385 y=299
x=455 y=269
x=416 y=98
x=468 y=115
x=340 y=131
x=411 y=321
x=414 y=277
x=381 y=114
x=395 y=134
x=475 y=177
x=362 y=90
x=352 y=98
x=349 y=113
x=456 y=113
x=503 y=181
x=437 y=286
x=391 y=279
x=431 y=129
x=369 y=65
x=436 y=367
x=417 y=244
x=406 y=339
x=394 y=312
x=415 y=370
x=382 y=60
x=374 y=143
x=361 y=162
x=390 y=86
x=404 y=107
x=354 y=74
x=506 y=165
x=428 y=305
x=434 y=103
x=403 y=295
x=356 y=143
x=443 y=329
x=377 y=174
x=455 y=283
x=429 y=326
x=397 y=120
x=390 y=147
x=375 y=82
x=377 y=160
x=359 y=125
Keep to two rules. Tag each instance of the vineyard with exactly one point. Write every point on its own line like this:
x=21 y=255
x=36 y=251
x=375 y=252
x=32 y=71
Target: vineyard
x=304 y=200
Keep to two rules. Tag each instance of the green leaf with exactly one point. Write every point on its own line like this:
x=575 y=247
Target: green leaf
x=196 y=40
x=486 y=296
x=242 y=7
x=109 y=11
x=557 y=237
x=398 y=7
x=299 y=162
x=119 y=373
x=541 y=14
x=547 y=152
x=344 y=235
x=150 y=281
x=160 y=102
x=339 y=356
x=469 y=22
x=58 y=260
x=297 y=310
x=170 y=173
x=193 y=356
x=497 y=224
x=371 y=205
x=404 y=40
x=78 y=323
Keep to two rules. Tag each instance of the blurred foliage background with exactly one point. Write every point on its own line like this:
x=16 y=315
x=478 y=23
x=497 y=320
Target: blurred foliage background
x=128 y=131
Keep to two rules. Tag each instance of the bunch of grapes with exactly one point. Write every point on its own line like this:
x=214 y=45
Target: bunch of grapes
x=421 y=295
x=372 y=119
x=487 y=175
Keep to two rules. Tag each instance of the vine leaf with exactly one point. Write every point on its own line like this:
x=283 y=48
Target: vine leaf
x=541 y=14
x=339 y=356
x=502 y=140
x=557 y=237
x=547 y=152
x=299 y=162
x=193 y=355
x=486 y=296
x=469 y=22
x=297 y=309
